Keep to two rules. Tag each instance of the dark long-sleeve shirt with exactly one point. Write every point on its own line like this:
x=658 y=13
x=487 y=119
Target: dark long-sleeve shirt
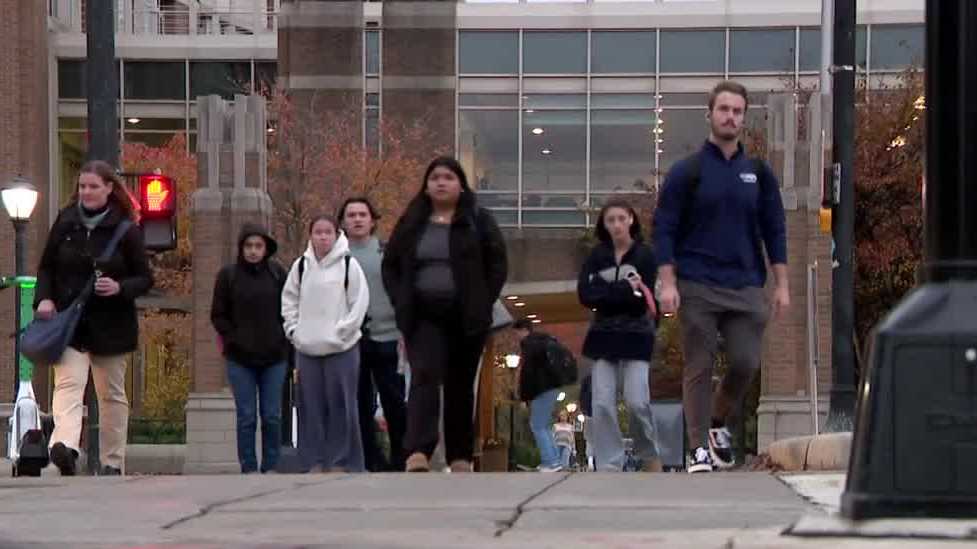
x=735 y=213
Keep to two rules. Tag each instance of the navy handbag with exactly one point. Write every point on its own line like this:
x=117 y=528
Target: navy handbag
x=44 y=341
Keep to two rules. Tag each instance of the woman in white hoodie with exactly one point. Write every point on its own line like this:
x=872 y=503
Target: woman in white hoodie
x=324 y=303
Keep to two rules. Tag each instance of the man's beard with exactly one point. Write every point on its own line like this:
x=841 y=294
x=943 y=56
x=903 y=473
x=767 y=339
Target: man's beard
x=725 y=133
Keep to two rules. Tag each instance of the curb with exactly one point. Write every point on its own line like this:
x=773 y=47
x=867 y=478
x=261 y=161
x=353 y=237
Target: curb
x=826 y=452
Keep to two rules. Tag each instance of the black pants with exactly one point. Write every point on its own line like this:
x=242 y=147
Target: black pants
x=441 y=354
x=378 y=374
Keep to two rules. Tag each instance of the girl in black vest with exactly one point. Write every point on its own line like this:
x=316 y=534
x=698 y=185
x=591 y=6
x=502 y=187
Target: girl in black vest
x=108 y=329
x=443 y=268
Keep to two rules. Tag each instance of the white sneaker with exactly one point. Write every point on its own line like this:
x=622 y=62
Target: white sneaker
x=721 y=448
x=556 y=469
x=700 y=461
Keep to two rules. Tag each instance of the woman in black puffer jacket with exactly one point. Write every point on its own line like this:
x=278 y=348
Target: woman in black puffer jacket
x=109 y=327
x=615 y=283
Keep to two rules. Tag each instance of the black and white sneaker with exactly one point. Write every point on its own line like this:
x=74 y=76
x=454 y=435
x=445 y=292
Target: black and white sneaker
x=721 y=448
x=700 y=461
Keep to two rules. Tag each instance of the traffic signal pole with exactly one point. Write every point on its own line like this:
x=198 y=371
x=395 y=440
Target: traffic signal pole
x=102 y=87
x=842 y=400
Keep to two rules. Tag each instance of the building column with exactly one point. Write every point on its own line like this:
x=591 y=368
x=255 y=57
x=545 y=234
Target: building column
x=232 y=190
x=24 y=131
x=320 y=53
x=785 y=395
x=419 y=79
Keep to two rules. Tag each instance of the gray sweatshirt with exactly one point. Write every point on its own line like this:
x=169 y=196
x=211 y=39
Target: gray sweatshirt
x=381 y=325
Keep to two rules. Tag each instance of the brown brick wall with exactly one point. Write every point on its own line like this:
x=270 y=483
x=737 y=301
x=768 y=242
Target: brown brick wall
x=23 y=150
x=419 y=68
x=785 y=359
x=209 y=255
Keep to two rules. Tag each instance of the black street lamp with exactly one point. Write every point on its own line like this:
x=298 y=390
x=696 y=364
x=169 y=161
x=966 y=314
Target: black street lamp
x=19 y=198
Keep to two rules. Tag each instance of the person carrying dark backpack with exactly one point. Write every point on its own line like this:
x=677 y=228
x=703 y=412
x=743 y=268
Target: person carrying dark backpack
x=720 y=217
x=253 y=343
x=545 y=366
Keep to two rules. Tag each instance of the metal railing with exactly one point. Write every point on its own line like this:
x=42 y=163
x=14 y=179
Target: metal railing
x=247 y=17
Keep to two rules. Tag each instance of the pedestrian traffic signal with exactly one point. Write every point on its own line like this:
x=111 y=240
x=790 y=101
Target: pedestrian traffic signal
x=157 y=205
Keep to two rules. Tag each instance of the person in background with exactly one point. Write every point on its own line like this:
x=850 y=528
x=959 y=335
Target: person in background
x=109 y=328
x=543 y=370
x=719 y=214
x=565 y=437
x=324 y=302
x=443 y=269
x=379 y=347
x=621 y=336
x=253 y=343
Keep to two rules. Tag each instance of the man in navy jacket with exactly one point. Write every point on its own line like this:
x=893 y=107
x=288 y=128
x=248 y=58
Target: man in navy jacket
x=718 y=212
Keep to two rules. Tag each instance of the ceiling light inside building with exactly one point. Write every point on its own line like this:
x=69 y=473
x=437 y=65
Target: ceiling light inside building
x=530 y=111
x=546 y=152
x=530 y=317
x=538 y=131
x=512 y=297
x=537 y=321
x=520 y=304
x=133 y=120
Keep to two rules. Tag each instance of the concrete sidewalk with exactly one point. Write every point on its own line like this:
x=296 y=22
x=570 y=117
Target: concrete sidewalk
x=741 y=510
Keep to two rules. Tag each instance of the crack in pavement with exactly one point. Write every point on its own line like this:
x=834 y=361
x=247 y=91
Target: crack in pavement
x=506 y=525
x=207 y=509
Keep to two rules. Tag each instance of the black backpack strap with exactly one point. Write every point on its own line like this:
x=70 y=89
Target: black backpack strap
x=346 y=275
x=693 y=179
x=301 y=269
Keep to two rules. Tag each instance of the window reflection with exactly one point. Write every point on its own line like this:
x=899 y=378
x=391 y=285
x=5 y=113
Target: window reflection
x=897 y=46
x=622 y=149
x=554 y=150
x=489 y=148
x=488 y=52
x=623 y=52
x=761 y=50
x=693 y=51
x=554 y=52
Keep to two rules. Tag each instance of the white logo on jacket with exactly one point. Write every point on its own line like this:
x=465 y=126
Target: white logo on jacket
x=748 y=177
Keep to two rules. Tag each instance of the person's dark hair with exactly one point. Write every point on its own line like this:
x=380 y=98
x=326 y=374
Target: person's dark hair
x=120 y=197
x=601 y=231
x=359 y=200
x=323 y=217
x=523 y=324
x=731 y=87
x=419 y=209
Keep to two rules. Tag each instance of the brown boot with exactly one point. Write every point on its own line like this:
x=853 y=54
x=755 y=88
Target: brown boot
x=653 y=465
x=418 y=463
x=461 y=466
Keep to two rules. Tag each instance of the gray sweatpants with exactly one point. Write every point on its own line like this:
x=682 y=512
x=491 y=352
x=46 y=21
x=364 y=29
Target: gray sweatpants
x=741 y=315
x=329 y=423
x=606 y=376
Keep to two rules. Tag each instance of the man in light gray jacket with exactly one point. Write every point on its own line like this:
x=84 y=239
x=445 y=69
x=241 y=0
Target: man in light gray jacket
x=378 y=348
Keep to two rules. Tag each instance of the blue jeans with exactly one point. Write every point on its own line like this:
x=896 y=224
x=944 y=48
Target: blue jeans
x=541 y=423
x=251 y=386
x=565 y=453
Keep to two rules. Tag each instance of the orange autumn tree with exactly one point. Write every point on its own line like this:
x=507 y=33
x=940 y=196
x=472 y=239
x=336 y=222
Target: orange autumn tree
x=317 y=158
x=165 y=346
x=889 y=154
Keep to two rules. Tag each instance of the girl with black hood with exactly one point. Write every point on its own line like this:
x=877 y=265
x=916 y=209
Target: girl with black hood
x=246 y=315
x=615 y=283
x=443 y=268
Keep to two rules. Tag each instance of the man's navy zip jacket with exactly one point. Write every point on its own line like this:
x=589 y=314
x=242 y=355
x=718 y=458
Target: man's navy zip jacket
x=735 y=213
